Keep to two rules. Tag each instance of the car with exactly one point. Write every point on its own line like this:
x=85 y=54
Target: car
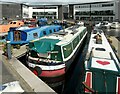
x=80 y=23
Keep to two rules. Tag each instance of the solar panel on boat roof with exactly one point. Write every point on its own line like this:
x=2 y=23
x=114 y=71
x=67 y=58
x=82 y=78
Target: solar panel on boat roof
x=61 y=33
x=74 y=27
x=74 y=31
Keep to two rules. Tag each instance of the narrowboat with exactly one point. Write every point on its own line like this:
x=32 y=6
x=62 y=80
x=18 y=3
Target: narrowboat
x=102 y=66
x=42 y=22
x=51 y=56
x=5 y=27
x=22 y=36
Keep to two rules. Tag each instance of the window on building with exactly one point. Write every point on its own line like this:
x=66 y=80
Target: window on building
x=107 y=5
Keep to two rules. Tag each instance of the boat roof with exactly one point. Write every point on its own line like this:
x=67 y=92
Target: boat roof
x=3 y=34
x=38 y=28
x=102 y=55
x=23 y=28
x=44 y=44
x=65 y=35
x=103 y=64
x=99 y=54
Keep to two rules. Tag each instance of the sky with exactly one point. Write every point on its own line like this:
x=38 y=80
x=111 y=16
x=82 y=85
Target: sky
x=53 y=1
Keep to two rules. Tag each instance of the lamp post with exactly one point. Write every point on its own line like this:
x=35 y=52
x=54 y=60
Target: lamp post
x=90 y=15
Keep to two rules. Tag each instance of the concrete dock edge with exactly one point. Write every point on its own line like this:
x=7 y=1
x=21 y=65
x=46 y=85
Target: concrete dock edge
x=32 y=81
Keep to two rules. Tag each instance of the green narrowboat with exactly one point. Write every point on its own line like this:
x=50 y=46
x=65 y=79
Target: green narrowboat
x=51 y=56
x=102 y=74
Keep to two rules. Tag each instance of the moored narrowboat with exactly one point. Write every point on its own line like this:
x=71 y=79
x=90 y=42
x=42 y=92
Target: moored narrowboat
x=51 y=56
x=102 y=66
x=22 y=36
x=4 y=28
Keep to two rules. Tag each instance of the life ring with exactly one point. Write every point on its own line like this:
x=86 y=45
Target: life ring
x=37 y=71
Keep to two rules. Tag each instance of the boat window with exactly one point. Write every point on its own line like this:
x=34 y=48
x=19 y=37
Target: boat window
x=100 y=49
x=17 y=35
x=44 y=32
x=67 y=50
x=14 y=22
x=50 y=31
x=35 y=35
x=54 y=30
x=59 y=28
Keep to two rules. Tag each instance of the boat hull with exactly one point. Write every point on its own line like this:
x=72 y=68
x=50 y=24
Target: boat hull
x=102 y=73
x=70 y=61
x=51 y=77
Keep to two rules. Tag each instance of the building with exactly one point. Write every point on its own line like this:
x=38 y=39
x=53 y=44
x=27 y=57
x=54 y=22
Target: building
x=25 y=11
x=0 y=11
x=50 y=12
x=97 y=11
x=11 y=10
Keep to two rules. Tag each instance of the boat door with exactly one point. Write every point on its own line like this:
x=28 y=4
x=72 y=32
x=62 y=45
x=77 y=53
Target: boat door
x=103 y=81
x=17 y=35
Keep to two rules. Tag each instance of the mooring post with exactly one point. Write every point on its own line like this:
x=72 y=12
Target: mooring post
x=9 y=51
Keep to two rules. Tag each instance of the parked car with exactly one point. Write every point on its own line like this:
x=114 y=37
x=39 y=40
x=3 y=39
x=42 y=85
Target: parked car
x=106 y=24
x=115 y=25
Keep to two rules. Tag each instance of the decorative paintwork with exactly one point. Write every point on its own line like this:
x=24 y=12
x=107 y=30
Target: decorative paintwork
x=103 y=63
x=54 y=52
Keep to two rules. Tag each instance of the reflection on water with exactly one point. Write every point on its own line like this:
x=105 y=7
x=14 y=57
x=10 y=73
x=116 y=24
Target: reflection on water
x=113 y=32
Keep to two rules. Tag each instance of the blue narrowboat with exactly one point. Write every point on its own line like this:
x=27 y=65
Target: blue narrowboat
x=42 y=22
x=20 y=37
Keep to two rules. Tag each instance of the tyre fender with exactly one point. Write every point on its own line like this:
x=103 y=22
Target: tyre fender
x=37 y=71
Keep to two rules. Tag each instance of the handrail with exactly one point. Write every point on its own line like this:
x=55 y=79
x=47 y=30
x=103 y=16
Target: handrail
x=90 y=89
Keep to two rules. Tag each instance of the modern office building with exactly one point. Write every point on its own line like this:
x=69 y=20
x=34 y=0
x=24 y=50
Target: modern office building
x=25 y=11
x=11 y=10
x=98 y=11
x=0 y=11
x=50 y=12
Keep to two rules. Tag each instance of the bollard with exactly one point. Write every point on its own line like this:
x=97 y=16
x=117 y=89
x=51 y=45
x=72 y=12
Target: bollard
x=9 y=51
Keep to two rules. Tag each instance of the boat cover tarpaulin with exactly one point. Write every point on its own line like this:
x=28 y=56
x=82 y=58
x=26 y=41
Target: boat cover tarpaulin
x=44 y=44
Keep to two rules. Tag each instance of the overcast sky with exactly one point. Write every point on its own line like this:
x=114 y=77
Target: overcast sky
x=53 y=1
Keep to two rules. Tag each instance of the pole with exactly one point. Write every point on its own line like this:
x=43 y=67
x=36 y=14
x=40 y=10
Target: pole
x=9 y=51
x=44 y=11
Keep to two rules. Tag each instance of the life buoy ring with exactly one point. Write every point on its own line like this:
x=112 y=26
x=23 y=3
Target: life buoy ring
x=37 y=71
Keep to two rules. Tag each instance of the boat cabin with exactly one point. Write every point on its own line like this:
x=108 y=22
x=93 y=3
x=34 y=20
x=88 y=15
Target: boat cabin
x=102 y=67
x=23 y=36
x=58 y=46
